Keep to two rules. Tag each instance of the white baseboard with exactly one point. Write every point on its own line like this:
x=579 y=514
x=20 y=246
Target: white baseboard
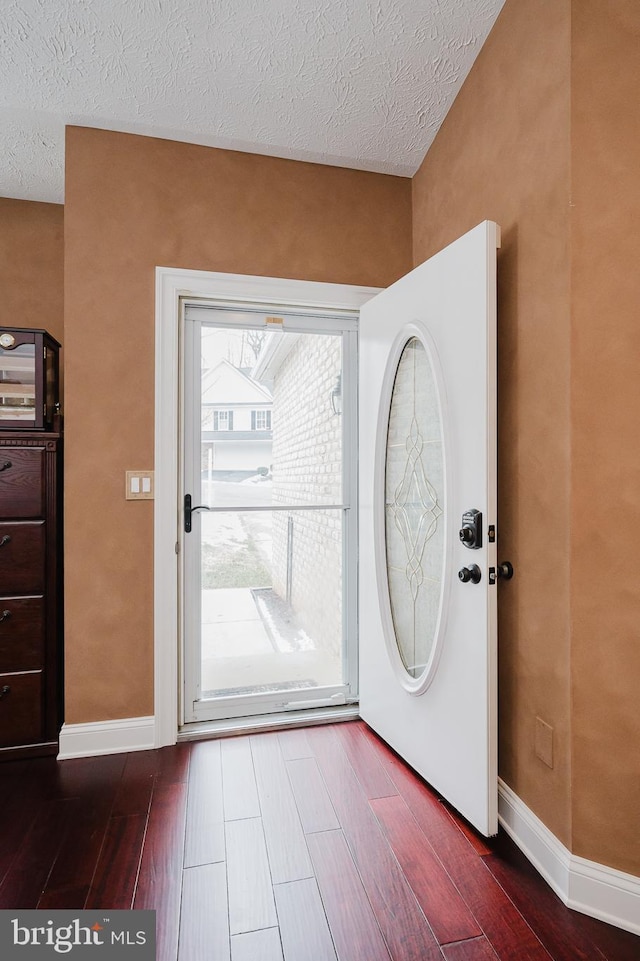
x=586 y=886
x=107 y=737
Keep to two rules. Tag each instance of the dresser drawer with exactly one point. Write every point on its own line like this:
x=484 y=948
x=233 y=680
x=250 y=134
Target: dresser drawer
x=21 y=482
x=20 y=708
x=22 y=632
x=22 y=557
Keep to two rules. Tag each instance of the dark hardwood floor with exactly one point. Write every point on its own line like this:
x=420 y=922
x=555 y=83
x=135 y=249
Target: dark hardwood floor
x=317 y=844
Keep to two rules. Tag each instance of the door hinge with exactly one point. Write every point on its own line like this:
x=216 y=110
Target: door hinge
x=177 y=548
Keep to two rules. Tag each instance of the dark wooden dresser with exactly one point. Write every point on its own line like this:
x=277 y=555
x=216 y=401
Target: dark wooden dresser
x=30 y=593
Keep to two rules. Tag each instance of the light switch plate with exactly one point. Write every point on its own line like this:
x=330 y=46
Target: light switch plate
x=139 y=485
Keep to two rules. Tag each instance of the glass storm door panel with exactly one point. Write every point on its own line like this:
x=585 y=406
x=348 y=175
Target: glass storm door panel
x=267 y=559
x=427 y=456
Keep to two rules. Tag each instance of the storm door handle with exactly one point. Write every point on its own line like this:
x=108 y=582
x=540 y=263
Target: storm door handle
x=188 y=511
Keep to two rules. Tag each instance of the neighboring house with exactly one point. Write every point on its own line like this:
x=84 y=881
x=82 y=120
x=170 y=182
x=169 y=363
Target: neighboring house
x=236 y=421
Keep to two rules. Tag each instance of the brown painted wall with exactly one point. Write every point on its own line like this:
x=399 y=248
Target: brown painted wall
x=605 y=400
x=545 y=139
x=133 y=203
x=31 y=263
x=503 y=154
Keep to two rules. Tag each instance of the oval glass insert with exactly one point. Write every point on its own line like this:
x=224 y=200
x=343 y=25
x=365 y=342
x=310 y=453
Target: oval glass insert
x=414 y=507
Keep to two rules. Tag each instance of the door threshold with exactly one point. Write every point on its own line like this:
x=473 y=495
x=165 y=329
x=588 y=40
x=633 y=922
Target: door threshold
x=268 y=722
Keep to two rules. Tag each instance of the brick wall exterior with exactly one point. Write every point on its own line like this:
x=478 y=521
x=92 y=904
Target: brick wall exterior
x=307 y=469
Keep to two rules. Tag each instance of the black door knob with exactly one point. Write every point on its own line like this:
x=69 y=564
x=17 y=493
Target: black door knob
x=505 y=570
x=471 y=574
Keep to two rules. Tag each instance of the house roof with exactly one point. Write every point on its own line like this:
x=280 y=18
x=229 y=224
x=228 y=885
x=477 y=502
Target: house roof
x=276 y=347
x=226 y=386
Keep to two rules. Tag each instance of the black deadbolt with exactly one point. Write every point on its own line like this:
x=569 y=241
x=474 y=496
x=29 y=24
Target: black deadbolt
x=471 y=530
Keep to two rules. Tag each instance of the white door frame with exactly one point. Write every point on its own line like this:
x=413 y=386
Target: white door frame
x=172 y=286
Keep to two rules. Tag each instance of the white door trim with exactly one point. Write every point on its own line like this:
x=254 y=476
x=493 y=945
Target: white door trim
x=172 y=286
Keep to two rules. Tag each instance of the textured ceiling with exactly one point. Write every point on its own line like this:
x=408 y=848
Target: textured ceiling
x=358 y=83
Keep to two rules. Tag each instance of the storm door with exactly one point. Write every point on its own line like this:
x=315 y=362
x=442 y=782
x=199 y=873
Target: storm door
x=268 y=544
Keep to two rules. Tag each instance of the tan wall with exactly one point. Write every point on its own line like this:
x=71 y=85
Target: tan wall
x=133 y=203
x=31 y=262
x=545 y=139
x=503 y=154
x=605 y=398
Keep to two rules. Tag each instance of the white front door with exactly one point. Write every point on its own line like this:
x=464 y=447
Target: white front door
x=428 y=521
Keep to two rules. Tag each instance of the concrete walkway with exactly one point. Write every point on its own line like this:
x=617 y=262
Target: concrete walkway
x=238 y=653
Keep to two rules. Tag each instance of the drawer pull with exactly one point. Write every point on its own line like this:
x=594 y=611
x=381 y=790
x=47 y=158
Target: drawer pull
x=4 y=691
x=5 y=616
x=7 y=464
x=5 y=539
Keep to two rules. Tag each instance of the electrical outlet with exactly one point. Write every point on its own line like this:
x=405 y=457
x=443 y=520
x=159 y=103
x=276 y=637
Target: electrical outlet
x=139 y=485
x=544 y=742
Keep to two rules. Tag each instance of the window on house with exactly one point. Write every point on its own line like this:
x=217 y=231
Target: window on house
x=223 y=420
x=260 y=420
